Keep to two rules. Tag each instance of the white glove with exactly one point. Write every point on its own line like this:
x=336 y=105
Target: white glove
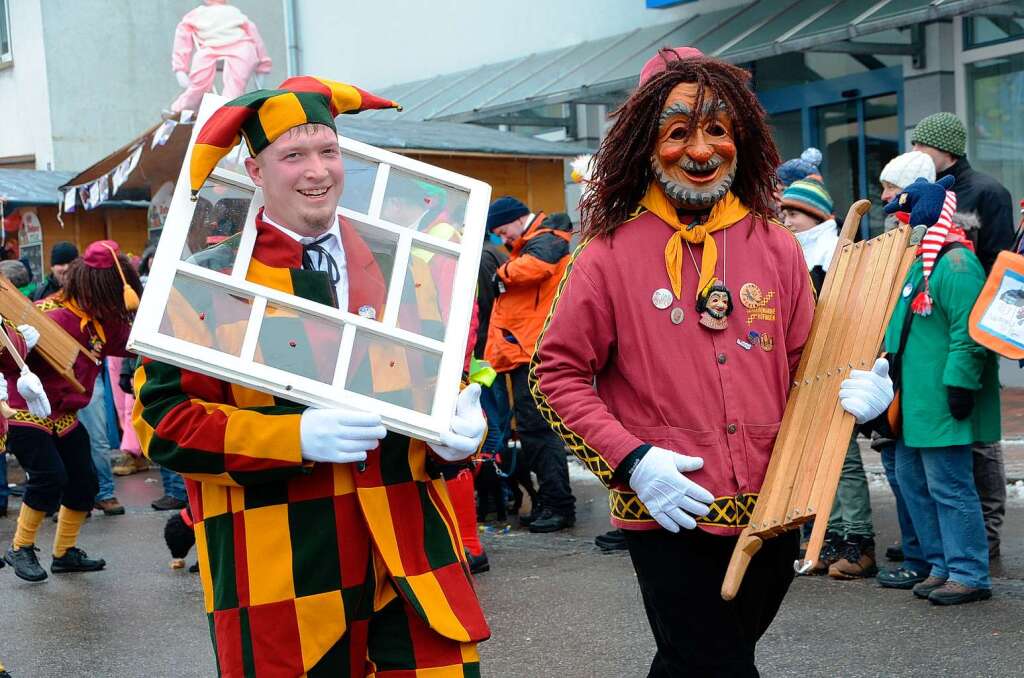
x=866 y=395
x=31 y=389
x=3 y=388
x=182 y=78
x=670 y=496
x=30 y=335
x=339 y=436
x=468 y=426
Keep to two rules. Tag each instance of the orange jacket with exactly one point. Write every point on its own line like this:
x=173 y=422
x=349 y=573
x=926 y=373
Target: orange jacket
x=527 y=283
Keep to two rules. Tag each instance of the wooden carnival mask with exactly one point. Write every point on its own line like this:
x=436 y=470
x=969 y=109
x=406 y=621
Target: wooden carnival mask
x=695 y=170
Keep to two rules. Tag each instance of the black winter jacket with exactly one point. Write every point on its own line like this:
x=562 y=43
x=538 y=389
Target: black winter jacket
x=981 y=194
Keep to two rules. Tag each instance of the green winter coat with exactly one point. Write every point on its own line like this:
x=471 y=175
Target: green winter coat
x=941 y=353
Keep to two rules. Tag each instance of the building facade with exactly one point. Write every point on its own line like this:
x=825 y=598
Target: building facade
x=79 y=78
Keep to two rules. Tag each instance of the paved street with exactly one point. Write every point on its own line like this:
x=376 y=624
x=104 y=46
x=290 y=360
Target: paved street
x=557 y=606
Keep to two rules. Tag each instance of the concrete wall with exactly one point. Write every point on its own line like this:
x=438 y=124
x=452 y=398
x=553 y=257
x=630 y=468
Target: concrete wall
x=375 y=44
x=109 y=68
x=25 y=111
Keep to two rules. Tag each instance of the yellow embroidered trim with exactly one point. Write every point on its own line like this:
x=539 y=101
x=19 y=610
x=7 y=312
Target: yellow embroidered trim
x=60 y=425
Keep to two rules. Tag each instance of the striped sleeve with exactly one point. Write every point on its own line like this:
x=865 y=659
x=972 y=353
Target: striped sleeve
x=184 y=424
x=575 y=345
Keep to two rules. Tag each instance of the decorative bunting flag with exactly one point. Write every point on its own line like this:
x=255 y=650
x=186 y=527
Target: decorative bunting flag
x=163 y=133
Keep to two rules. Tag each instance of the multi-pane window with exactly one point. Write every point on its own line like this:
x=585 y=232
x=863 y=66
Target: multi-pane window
x=400 y=353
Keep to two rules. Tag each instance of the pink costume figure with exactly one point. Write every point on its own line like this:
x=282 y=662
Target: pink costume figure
x=216 y=31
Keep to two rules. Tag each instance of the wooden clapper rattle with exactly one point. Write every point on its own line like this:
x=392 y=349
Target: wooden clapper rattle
x=856 y=300
x=55 y=345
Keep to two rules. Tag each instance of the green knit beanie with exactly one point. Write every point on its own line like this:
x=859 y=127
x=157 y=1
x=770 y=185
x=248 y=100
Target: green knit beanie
x=943 y=131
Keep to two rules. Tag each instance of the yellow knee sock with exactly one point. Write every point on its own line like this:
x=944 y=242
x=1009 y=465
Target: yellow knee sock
x=68 y=524
x=29 y=521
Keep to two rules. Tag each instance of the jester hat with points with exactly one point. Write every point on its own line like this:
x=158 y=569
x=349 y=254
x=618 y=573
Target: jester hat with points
x=264 y=115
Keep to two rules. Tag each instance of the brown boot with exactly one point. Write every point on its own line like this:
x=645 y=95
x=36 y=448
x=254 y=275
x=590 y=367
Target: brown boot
x=858 y=559
x=829 y=553
x=110 y=507
x=127 y=464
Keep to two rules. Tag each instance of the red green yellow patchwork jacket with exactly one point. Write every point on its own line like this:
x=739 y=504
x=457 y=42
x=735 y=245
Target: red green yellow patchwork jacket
x=282 y=542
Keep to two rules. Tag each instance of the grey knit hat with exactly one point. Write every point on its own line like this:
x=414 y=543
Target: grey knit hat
x=943 y=131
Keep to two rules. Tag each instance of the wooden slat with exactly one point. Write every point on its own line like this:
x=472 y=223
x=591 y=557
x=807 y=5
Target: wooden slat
x=847 y=307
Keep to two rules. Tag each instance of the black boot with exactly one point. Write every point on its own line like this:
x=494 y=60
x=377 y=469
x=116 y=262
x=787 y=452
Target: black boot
x=535 y=512
x=76 y=560
x=613 y=540
x=478 y=564
x=25 y=563
x=549 y=521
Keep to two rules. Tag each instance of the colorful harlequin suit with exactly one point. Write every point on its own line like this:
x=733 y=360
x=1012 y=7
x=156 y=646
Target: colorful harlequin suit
x=300 y=562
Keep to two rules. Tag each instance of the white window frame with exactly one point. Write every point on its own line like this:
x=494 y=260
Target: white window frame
x=146 y=339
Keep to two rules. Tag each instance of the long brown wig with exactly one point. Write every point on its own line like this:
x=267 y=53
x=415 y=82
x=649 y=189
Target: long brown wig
x=99 y=291
x=622 y=166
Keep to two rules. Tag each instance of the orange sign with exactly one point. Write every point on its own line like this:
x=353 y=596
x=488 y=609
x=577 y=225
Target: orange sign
x=997 y=320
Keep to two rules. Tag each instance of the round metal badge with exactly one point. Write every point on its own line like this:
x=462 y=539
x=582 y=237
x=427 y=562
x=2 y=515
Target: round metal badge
x=677 y=315
x=907 y=289
x=368 y=312
x=751 y=295
x=661 y=298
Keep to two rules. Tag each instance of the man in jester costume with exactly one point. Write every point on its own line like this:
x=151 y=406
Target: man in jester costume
x=327 y=545
x=669 y=353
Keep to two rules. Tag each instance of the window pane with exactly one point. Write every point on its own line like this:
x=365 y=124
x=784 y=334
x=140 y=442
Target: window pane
x=217 y=220
x=787 y=128
x=367 y=289
x=994 y=24
x=427 y=293
x=424 y=205
x=881 y=144
x=838 y=135
x=206 y=315
x=389 y=371
x=995 y=132
x=5 y=36
x=298 y=343
x=234 y=161
x=360 y=175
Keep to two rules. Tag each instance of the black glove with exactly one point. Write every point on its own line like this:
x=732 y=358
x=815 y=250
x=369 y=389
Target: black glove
x=961 y=402
x=126 y=383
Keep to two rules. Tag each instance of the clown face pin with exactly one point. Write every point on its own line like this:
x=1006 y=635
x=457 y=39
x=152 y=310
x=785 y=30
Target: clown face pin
x=714 y=306
x=695 y=155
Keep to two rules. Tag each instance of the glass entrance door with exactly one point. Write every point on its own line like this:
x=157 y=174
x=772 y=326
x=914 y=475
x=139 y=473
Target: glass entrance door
x=857 y=138
x=855 y=121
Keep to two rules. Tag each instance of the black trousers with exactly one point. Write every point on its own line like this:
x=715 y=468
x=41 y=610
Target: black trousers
x=60 y=470
x=697 y=633
x=543 y=450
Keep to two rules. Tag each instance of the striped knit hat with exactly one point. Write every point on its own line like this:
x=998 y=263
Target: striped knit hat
x=943 y=131
x=809 y=195
x=264 y=115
